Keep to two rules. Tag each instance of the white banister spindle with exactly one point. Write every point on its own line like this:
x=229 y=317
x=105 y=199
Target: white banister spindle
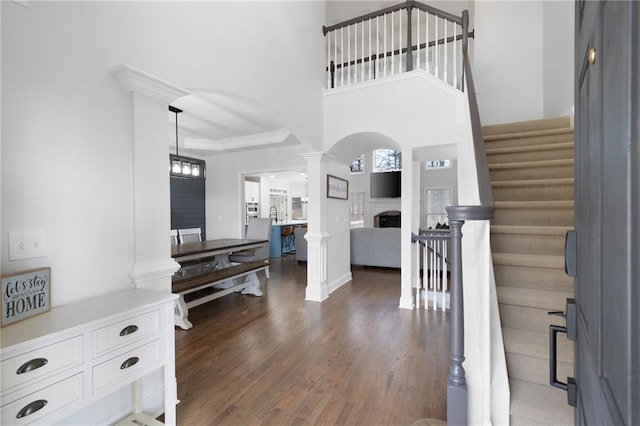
x=329 y=60
x=348 y=54
x=445 y=282
x=400 y=37
x=393 y=57
x=426 y=40
x=455 y=56
x=417 y=275
x=370 y=58
x=446 y=49
x=425 y=273
x=341 y=56
x=384 y=40
x=377 y=74
x=362 y=52
x=335 y=57
x=437 y=61
x=418 y=38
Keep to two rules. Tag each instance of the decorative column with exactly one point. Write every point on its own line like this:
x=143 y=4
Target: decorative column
x=409 y=224
x=150 y=97
x=317 y=235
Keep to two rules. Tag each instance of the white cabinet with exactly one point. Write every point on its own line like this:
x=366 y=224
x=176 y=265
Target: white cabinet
x=58 y=362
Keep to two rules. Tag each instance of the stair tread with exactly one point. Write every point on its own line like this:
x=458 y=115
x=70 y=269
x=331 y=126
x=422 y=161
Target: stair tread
x=552 y=204
x=563 y=122
x=533 y=298
x=543 y=404
x=530 y=230
x=528 y=134
x=541 y=163
x=530 y=260
x=530 y=148
x=532 y=182
x=535 y=344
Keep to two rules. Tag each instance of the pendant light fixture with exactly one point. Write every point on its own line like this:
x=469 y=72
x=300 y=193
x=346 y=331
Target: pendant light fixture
x=184 y=166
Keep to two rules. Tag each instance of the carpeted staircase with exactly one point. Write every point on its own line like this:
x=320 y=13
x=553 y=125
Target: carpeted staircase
x=531 y=168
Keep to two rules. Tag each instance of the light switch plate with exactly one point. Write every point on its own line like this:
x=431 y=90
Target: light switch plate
x=27 y=245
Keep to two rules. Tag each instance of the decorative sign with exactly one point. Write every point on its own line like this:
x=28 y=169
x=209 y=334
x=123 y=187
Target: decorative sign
x=337 y=188
x=25 y=294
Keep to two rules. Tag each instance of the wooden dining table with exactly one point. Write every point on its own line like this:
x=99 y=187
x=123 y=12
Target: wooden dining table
x=214 y=271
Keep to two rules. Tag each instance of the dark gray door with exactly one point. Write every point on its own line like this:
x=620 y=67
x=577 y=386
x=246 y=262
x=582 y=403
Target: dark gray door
x=608 y=212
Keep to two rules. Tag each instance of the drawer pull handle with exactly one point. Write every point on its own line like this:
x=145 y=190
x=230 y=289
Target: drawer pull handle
x=128 y=330
x=129 y=363
x=32 y=365
x=31 y=408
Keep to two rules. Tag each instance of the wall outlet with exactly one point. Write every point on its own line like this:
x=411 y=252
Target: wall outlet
x=27 y=245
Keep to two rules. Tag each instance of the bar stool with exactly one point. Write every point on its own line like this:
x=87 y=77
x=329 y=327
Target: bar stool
x=288 y=239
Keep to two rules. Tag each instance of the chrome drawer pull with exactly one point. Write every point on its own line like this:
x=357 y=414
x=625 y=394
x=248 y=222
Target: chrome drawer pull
x=128 y=330
x=32 y=365
x=129 y=363
x=31 y=408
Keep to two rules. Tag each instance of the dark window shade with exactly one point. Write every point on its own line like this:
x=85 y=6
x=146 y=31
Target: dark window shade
x=187 y=204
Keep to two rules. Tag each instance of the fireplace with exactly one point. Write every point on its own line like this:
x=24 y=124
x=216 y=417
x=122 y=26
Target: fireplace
x=388 y=219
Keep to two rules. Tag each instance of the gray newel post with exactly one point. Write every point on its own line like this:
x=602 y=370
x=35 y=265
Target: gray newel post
x=456 y=381
x=409 y=58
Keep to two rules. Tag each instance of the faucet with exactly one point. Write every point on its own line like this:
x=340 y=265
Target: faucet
x=276 y=214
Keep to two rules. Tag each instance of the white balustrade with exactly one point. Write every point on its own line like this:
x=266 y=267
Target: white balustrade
x=356 y=59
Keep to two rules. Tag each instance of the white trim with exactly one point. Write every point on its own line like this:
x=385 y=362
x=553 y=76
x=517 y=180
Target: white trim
x=151 y=270
x=136 y=80
x=339 y=282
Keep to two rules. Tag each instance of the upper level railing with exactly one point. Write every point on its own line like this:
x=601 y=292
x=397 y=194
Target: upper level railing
x=397 y=39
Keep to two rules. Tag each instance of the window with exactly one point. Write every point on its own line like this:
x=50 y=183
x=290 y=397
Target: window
x=436 y=201
x=356 y=209
x=437 y=164
x=358 y=165
x=385 y=160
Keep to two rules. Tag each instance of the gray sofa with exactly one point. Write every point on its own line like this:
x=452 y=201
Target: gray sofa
x=375 y=247
x=369 y=246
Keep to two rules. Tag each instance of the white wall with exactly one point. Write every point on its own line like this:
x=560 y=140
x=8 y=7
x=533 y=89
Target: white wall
x=66 y=140
x=558 y=57
x=523 y=59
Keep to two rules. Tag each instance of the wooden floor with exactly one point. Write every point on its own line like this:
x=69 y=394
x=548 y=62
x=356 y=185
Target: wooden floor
x=355 y=359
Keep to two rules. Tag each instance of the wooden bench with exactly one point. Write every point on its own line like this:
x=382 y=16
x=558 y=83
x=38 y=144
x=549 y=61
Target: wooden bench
x=226 y=279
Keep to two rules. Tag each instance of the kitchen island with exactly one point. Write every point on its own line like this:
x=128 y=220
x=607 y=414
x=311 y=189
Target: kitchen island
x=275 y=246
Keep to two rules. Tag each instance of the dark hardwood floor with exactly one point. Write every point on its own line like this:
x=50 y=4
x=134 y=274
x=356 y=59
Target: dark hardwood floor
x=355 y=359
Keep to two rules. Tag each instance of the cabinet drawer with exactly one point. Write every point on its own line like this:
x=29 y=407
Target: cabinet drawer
x=124 y=367
x=125 y=332
x=43 y=402
x=40 y=362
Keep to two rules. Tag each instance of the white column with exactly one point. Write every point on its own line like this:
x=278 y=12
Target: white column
x=317 y=235
x=410 y=220
x=150 y=97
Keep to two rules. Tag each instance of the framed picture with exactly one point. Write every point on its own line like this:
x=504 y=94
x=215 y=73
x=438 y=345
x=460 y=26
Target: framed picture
x=25 y=294
x=337 y=188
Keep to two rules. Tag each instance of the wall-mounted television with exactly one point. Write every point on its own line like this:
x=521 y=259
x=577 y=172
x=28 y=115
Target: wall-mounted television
x=385 y=184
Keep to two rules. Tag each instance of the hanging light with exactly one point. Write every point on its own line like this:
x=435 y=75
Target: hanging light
x=184 y=166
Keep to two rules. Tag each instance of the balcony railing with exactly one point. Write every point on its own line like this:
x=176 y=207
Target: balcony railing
x=397 y=39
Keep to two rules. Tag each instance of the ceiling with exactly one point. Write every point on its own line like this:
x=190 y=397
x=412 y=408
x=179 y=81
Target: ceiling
x=214 y=123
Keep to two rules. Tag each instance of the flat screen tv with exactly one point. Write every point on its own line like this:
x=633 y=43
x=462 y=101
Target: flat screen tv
x=385 y=184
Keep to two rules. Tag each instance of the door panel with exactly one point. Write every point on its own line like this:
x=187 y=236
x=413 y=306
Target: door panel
x=606 y=212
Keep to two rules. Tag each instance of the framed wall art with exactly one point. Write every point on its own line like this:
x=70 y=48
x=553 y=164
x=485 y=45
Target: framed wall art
x=337 y=188
x=25 y=294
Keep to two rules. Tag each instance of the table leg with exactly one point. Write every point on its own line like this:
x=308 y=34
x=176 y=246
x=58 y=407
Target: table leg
x=181 y=312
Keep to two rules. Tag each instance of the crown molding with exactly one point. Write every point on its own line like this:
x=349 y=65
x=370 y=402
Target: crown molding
x=136 y=80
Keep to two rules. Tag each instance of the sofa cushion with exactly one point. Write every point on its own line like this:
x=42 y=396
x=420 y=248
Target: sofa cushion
x=375 y=247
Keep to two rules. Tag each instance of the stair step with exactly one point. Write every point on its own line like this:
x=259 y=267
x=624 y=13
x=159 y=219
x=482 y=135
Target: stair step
x=529 y=260
x=535 y=240
x=533 y=189
x=528 y=126
x=530 y=153
x=553 y=213
x=531 y=319
x=517 y=276
x=533 y=298
x=529 y=139
x=536 y=345
x=536 y=370
x=528 y=170
x=533 y=404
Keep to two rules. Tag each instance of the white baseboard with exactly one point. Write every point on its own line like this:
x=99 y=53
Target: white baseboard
x=339 y=282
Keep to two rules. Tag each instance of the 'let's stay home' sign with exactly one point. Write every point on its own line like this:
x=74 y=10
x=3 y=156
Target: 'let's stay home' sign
x=25 y=294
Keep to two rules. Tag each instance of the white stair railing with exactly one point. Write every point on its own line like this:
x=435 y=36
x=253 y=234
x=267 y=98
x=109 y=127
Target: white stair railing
x=432 y=270
x=381 y=44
